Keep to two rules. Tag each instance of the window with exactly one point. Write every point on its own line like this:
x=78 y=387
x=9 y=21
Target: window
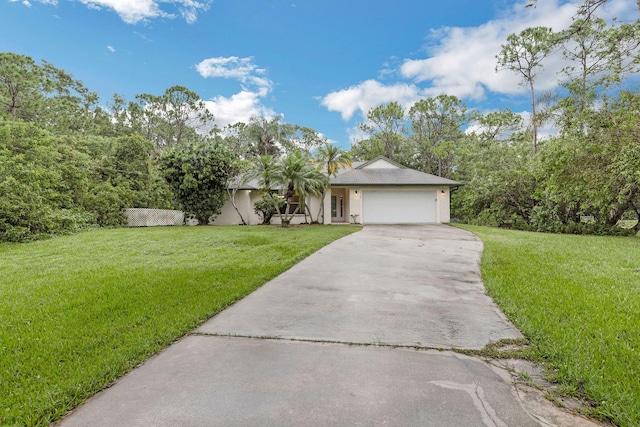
x=294 y=202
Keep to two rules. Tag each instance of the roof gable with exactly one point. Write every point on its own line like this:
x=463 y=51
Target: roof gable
x=382 y=171
x=381 y=162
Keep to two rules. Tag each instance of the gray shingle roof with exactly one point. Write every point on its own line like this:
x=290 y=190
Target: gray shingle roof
x=364 y=175
x=252 y=184
x=373 y=176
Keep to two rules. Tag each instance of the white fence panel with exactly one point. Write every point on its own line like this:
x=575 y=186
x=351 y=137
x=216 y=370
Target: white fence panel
x=143 y=217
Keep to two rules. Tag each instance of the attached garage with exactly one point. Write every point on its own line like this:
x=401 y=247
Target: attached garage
x=382 y=191
x=398 y=206
x=378 y=191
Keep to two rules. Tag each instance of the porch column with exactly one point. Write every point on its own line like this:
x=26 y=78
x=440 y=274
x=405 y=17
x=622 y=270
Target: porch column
x=326 y=219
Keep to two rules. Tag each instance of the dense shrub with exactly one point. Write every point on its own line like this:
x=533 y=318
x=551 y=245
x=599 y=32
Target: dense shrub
x=58 y=184
x=268 y=205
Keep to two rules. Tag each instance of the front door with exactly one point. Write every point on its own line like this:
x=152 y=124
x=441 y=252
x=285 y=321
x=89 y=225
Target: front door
x=337 y=208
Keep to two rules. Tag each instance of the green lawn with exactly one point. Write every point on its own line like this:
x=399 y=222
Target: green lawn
x=577 y=299
x=79 y=311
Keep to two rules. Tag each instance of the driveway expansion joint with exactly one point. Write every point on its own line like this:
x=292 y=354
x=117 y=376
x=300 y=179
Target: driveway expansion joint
x=507 y=357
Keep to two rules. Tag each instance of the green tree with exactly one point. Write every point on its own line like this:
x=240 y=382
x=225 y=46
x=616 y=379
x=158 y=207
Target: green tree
x=497 y=126
x=588 y=7
x=21 y=85
x=523 y=54
x=68 y=105
x=264 y=135
x=198 y=172
x=297 y=177
x=294 y=177
x=436 y=125
x=173 y=118
x=263 y=170
x=47 y=95
x=496 y=166
x=385 y=124
x=235 y=138
x=600 y=57
x=595 y=174
x=368 y=149
x=330 y=159
x=40 y=178
x=302 y=138
x=267 y=206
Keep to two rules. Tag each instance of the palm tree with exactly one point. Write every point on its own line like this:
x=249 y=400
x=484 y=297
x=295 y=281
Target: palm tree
x=265 y=134
x=294 y=175
x=297 y=176
x=330 y=160
x=263 y=169
x=318 y=182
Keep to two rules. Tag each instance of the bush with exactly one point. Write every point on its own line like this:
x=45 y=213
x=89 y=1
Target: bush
x=268 y=205
x=59 y=184
x=198 y=173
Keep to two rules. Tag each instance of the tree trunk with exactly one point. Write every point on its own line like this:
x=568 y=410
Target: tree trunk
x=232 y=196
x=534 y=119
x=285 y=219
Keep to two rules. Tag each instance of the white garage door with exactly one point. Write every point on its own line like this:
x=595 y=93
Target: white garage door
x=398 y=207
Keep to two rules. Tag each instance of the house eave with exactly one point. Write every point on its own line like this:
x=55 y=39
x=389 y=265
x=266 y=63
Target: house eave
x=368 y=184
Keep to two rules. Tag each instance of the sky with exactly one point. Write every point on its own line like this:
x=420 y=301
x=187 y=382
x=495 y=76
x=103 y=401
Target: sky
x=319 y=63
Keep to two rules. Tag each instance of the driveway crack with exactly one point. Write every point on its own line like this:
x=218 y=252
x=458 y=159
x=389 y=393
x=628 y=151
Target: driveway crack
x=325 y=341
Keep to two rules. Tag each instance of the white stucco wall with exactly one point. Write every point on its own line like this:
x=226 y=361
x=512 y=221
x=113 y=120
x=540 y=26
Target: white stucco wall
x=444 y=204
x=327 y=208
x=353 y=206
x=244 y=201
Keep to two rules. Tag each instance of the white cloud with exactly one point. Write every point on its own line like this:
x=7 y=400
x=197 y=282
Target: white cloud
x=130 y=11
x=134 y=11
x=238 y=108
x=111 y=49
x=356 y=134
x=462 y=61
x=233 y=67
x=369 y=94
x=246 y=104
x=143 y=37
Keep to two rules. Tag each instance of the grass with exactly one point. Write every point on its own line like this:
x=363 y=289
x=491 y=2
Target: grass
x=577 y=300
x=77 y=312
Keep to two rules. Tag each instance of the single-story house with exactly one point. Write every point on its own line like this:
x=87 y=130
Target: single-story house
x=379 y=191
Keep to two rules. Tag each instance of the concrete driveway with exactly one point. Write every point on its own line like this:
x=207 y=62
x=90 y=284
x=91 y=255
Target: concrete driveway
x=395 y=285
x=356 y=334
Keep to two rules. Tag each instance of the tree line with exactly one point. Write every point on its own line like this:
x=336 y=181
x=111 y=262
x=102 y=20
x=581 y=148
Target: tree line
x=67 y=162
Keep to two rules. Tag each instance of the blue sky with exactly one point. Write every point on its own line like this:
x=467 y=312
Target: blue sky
x=320 y=63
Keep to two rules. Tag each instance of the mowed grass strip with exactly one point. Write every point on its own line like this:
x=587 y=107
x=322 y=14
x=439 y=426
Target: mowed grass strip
x=79 y=311
x=577 y=299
